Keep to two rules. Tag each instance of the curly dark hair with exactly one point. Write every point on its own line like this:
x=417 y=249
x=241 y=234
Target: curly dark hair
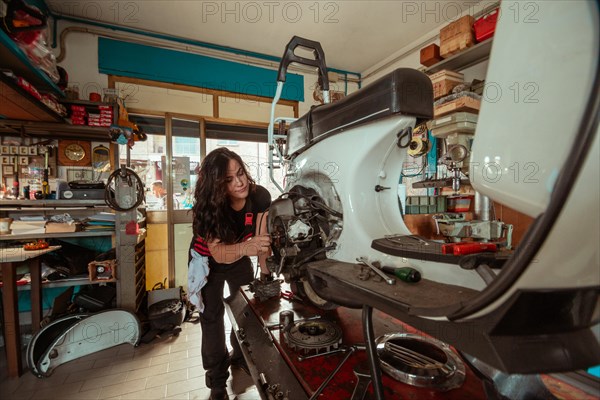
x=210 y=212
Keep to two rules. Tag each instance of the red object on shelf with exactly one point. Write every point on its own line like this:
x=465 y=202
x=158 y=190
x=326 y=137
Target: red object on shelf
x=460 y=203
x=464 y=248
x=95 y=96
x=485 y=26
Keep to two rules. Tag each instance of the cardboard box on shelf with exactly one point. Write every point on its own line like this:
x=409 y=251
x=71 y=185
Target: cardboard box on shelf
x=464 y=103
x=102 y=270
x=57 y=227
x=444 y=81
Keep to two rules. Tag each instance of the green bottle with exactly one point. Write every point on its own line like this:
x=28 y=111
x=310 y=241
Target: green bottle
x=406 y=274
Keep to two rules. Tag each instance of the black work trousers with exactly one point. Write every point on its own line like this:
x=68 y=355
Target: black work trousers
x=215 y=357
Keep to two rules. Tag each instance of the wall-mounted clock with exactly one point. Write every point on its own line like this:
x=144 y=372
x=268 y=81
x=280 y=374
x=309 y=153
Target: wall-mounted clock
x=74 y=153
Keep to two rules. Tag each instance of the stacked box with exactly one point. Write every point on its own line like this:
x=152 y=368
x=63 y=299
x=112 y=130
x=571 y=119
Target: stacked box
x=463 y=103
x=430 y=55
x=444 y=81
x=78 y=115
x=457 y=36
x=104 y=117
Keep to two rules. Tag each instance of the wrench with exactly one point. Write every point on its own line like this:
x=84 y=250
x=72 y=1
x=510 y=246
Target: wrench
x=364 y=380
x=363 y=260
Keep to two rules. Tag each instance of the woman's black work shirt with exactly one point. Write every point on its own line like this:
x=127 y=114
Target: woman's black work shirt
x=244 y=224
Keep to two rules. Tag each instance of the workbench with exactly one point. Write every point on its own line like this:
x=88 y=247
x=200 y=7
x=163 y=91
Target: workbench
x=255 y=324
x=10 y=258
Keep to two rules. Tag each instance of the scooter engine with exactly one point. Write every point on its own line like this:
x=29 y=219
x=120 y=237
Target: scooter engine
x=302 y=228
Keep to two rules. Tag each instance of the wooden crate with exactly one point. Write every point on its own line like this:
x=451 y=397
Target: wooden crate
x=430 y=55
x=109 y=274
x=457 y=36
x=464 y=103
x=444 y=81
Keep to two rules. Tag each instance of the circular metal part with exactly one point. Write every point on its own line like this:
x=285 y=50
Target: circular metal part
x=420 y=361
x=319 y=335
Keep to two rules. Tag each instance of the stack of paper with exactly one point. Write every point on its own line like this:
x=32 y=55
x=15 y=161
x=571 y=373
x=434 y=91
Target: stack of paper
x=100 y=222
x=28 y=227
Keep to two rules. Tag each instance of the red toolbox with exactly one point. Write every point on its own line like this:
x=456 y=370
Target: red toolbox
x=486 y=25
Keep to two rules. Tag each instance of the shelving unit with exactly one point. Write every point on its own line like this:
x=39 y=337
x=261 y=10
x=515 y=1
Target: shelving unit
x=54 y=130
x=55 y=235
x=131 y=286
x=83 y=280
x=131 y=250
x=465 y=59
x=15 y=102
x=15 y=59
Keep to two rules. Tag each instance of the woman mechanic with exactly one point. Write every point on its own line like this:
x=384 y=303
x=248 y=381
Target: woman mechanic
x=229 y=227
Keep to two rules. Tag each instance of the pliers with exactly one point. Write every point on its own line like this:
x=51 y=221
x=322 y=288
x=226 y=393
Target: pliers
x=289 y=296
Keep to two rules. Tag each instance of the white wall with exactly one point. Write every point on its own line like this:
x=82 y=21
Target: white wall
x=81 y=63
x=409 y=56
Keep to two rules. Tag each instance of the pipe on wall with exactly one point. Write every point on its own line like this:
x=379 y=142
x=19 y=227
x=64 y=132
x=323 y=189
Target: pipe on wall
x=170 y=43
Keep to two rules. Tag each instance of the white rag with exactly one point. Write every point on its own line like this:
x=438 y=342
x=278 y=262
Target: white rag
x=197 y=277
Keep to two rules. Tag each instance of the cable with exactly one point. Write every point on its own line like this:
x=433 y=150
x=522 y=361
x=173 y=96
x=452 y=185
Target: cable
x=405 y=133
x=126 y=175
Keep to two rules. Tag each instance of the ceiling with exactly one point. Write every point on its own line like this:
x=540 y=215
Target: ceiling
x=354 y=34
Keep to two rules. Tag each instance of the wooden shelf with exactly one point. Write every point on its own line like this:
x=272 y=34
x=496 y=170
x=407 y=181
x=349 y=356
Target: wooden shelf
x=87 y=103
x=56 y=235
x=465 y=59
x=16 y=60
x=45 y=204
x=67 y=282
x=16 y=102
x=55 y=130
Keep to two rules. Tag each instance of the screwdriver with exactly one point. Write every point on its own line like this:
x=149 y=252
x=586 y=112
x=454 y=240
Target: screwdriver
x=406 y=274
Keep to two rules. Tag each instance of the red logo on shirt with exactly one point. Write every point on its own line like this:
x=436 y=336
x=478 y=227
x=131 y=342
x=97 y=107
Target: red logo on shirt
x=249 y=219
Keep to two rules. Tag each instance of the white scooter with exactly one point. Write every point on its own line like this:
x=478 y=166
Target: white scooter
x=539 y=311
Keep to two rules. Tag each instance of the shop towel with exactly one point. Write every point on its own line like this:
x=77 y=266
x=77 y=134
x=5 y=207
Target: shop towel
x=197 y=277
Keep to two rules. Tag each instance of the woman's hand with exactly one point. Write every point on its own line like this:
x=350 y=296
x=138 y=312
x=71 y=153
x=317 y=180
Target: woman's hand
x=259 y=245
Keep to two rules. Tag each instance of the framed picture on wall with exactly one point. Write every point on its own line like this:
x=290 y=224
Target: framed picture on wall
x=8 y=170
x=4 y=149
x=5 y=160
x=32 y=150
x=23 y=150
x=14 y=149
x=13 y=160
x=23 y=160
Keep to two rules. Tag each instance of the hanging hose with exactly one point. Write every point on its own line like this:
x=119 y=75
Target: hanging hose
x=131 y=178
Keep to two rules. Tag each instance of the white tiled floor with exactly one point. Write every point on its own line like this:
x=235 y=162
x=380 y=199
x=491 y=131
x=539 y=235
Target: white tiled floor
x=166 y=368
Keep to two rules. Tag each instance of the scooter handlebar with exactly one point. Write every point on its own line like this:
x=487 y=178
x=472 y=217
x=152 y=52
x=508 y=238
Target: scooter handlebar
x=289 y=57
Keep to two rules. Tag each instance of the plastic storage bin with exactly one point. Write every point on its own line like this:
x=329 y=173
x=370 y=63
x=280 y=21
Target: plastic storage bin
x=485 y=26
